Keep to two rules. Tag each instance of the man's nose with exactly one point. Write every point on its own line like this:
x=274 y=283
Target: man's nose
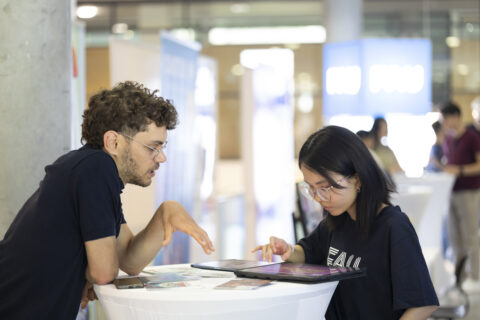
x=160 y=157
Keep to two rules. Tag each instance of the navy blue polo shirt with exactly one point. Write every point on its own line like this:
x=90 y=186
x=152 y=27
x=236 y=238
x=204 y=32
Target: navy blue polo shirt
x=42 y=256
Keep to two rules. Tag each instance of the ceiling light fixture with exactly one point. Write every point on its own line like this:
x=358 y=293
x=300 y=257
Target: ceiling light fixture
x=462 y=69
x=453 y=42
x=119 y=28
x=240 y=8
x=267 y=35
x=186 y=34
x=87 y=12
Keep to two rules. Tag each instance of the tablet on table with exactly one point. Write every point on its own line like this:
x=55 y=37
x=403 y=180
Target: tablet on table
x=231 y=264
x=301 y=272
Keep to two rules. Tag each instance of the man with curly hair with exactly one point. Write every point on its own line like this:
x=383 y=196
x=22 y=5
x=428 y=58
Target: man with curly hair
x=71 y=233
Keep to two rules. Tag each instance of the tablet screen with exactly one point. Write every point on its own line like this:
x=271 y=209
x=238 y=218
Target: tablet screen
x=301 y=272
x=301 y=269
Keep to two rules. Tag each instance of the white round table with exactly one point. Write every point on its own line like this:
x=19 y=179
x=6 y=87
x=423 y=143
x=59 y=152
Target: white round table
x=413 y=200
x=199 y=300
x=429 y=230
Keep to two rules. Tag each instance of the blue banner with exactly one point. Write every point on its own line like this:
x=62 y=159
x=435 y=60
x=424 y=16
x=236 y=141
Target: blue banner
x=377 y=76
x=177 y=181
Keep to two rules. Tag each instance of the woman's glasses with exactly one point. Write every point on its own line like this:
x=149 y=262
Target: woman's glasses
x=317 y=193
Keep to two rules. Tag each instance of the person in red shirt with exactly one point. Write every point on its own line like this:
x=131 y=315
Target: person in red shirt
x=461 y=149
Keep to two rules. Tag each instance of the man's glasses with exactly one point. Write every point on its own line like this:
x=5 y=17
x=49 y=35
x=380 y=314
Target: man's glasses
x=320 y=193
x=154 y=151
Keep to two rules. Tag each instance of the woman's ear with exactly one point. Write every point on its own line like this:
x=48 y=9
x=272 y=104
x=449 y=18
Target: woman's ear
x=110 y=142
x=358 y=183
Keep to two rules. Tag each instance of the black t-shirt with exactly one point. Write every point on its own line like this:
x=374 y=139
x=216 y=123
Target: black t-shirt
x=397 y=275
x=42 y=256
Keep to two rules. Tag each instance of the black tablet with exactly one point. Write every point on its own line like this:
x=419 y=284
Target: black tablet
x=300 y=272
x=230 y=264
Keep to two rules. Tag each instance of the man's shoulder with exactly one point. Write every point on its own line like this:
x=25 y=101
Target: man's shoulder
x=473 y=128
x=471 y=137
x=83 y=160
x=94 y=154
x=87 y=156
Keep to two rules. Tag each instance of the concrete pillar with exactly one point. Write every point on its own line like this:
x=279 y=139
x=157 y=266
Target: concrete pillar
x=344 y=20
x=35 y=73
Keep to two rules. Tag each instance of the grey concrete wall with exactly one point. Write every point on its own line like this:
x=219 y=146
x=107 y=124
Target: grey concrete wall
x=35 y=73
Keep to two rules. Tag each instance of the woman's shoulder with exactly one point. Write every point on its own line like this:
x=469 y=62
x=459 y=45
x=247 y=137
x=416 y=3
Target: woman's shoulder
x=393 y=216
x=394 y=224
x=383 y=147
x=384 y=150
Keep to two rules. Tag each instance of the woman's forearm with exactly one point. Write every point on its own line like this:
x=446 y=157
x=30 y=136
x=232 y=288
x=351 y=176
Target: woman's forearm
x=298 y=255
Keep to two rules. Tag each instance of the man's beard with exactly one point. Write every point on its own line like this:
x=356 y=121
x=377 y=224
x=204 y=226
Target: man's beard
x=129 y=169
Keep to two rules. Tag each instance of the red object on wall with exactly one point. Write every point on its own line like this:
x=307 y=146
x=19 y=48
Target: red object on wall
x=74 y=60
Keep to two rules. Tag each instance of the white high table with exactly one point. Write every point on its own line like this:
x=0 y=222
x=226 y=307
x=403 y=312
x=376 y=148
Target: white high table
x=199 y=300
x=429 y=228
x=413 y=201
x=428 y=219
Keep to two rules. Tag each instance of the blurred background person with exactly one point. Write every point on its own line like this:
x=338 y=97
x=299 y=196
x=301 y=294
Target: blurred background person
x=475 y=105
x=462 y=153
x=435 y=163
x=368 y=140
x=387 y=157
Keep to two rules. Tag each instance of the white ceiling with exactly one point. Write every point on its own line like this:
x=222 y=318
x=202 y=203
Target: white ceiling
x=381 y=17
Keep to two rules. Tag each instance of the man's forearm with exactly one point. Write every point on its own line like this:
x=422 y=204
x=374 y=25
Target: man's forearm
x=135 y=252
x=104 y=279
x=142 y=248
x=471 y=169
x=88 y=276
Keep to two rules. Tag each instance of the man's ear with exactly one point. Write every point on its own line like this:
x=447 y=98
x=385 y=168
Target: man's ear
x=110 y=142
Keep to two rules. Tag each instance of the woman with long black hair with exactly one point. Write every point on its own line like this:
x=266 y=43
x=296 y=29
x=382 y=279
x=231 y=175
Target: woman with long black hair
x=361 y=229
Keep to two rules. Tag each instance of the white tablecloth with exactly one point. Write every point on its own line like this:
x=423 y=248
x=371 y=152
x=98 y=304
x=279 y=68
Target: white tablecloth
x=430 y=227
x=441 y=270
x=413 y=200
x=280 y=300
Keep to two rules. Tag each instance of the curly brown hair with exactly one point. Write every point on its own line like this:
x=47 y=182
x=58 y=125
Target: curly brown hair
x=128 y=108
